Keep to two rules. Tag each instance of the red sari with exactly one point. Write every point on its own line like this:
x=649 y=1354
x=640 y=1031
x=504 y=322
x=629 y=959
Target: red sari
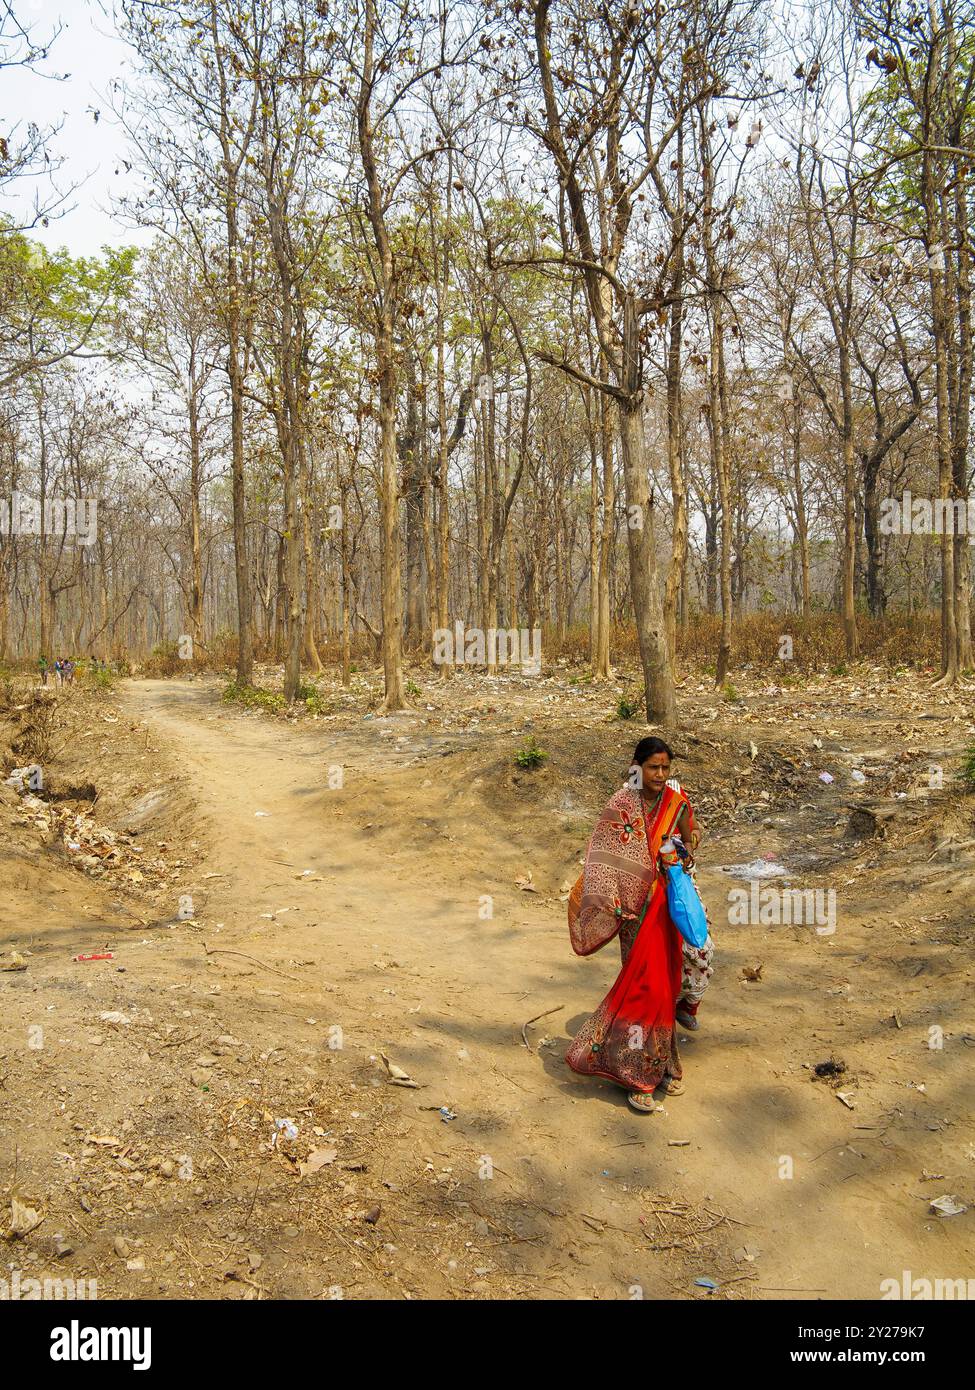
x=632 y=1037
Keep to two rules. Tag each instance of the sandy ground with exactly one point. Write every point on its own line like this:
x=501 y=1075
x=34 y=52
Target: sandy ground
x=173 y=1153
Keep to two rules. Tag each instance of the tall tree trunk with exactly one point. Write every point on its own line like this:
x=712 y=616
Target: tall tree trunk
x=601 y=666
x=391 y=596
x=716 y=400
x=196 y=553
x=962 y=421
x=644 y=580
x=313 y=586
x=802 y=524
x=940 y=327
x=848 y=448
x=592 y=432
x=675 y=460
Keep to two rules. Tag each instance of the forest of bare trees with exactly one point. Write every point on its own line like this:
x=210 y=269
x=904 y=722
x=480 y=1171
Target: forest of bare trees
x=530 y=314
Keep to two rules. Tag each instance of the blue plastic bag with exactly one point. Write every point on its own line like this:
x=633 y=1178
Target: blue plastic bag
x=686 y=908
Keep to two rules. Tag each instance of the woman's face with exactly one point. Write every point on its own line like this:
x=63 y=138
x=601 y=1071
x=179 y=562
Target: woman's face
x=655 y=771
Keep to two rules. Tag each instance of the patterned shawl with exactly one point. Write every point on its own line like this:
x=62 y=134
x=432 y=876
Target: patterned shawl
x=621 y=867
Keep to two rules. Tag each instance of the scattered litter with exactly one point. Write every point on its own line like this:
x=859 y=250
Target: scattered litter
x=848 y=1098
x=747 y=1254
x=262 y=813
x=98 y=955
x=318 y=1158
x=752 y=973
x=857 y=776
x=525 y=883
x=678 y=1143
x=706 y=1283
x=25 y=1216
x=397 y=1076
x=947 y=1206
x=286 y=1129
x=16 y=962
x=114 y=1016
x=758 y=868
x=446 y=1114
x=826 y=777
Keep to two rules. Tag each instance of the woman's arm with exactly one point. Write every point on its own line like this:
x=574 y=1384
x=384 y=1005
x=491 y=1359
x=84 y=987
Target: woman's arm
x=688 y=831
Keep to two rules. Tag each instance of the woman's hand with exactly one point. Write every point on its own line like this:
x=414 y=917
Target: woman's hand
x=692 y=844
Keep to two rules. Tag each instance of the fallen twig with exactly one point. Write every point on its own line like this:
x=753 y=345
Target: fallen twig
x=527 y=1025
x=226 y=951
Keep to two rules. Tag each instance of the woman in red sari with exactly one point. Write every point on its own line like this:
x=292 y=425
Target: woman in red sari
x=632 y=1036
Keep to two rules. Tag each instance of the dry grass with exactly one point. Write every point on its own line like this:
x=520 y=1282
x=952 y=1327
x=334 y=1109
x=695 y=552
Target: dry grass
x=817 y=642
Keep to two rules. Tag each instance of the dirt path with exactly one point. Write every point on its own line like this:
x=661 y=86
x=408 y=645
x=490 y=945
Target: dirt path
x=403 y=963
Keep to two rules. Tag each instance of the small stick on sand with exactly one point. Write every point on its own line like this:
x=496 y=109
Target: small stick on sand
x=225 y=951
x=527 y=1025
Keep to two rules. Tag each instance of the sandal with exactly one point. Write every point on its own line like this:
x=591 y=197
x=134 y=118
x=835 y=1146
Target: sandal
x=672 y=1087
x=642 y=1101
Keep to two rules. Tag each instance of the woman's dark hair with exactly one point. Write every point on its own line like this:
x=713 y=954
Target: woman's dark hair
x=648 y=746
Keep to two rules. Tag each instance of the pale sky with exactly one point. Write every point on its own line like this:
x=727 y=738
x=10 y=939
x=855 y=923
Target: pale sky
x=89 y=49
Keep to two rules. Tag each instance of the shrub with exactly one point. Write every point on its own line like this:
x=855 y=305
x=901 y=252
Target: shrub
x=530 y=755
x=165 y=660
x=313 y=699
x=253 y=697
x=968 y=768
